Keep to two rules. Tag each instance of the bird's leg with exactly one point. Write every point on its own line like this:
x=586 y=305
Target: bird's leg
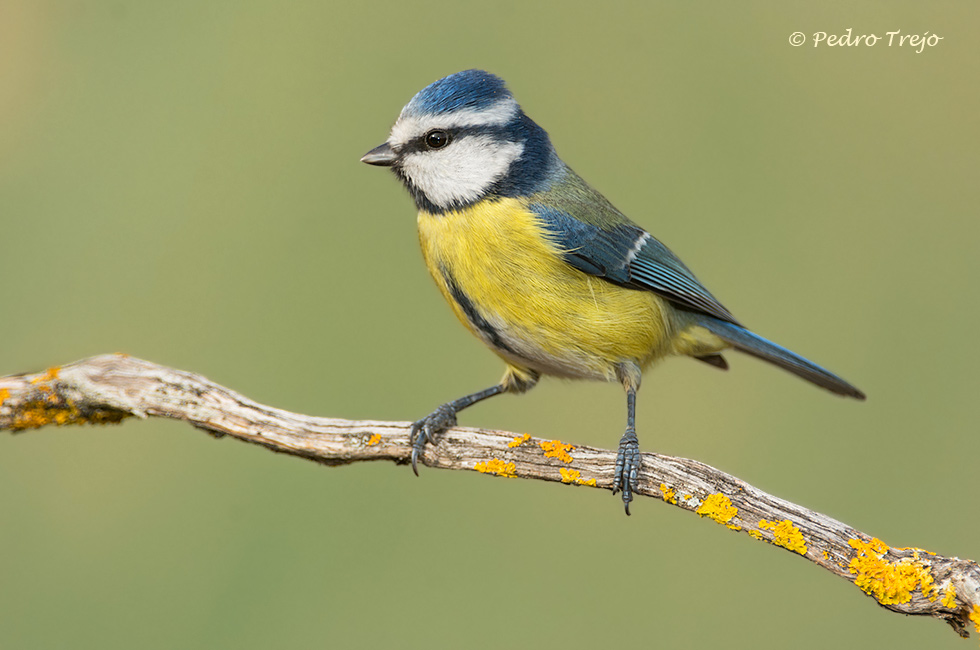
x=424 y=430
x=442 y=418
x=627 y=477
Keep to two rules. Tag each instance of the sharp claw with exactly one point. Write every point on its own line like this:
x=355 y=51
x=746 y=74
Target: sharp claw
x=627 y=476
x=423 y=432
x=413 y=436
x=627 y=499
x=418 y=444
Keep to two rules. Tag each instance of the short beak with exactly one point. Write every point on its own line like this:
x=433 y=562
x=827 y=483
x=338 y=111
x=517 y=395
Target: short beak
x=382 y=156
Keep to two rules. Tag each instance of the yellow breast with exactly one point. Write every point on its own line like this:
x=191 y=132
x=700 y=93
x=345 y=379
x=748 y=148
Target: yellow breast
x=507 y=283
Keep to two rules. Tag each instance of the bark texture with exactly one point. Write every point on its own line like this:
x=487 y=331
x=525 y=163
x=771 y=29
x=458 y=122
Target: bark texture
x=110 y=388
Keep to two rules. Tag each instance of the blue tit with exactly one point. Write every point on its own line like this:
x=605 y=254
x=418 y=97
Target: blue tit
x=542 y=268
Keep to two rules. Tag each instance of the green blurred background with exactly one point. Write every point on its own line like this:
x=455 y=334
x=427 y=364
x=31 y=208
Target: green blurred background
x=180 y=181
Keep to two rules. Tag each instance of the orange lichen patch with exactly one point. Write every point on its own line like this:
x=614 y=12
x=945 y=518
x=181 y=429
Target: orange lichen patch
x=519 y=440
x=717 y=507
x=949 y=600
x=826 y=556
x=49 y=375
x=498 y=467
x=557 y=449
x=889 y=582
x=4 y=394
x=785 y=534
x=669 y=494
x=574 y=476
x=47 y=406
x=39 y=413
x=374 y=439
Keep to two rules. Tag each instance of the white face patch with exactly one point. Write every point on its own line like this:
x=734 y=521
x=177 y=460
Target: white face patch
x=462 y=171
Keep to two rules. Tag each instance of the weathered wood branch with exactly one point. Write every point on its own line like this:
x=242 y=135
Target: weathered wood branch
x=109 y=388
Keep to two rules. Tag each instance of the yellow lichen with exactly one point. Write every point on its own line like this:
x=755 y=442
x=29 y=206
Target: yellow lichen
x=498 y=467
x=38 y=413
x=756 y=534
x=374 y=439
x=519 y=440
x=557 y=449
x=975 y=617
x=30 y=418
x=717 y=507
x=669 y=494
x=928 y=584
x=574 y=476
x=949 y=600
x=4 y=394
x=889 y=582
x=785 y=534
x=49 y=375
x=914 y=549
x=47 y=406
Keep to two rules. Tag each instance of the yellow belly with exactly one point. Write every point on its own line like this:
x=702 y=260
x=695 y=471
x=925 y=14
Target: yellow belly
x=538 y=311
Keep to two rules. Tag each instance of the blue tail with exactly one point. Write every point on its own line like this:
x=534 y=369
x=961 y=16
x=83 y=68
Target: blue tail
x=751 y=343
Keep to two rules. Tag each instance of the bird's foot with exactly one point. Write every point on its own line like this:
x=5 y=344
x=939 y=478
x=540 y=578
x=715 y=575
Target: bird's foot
x=627 y=476
x=424 y=430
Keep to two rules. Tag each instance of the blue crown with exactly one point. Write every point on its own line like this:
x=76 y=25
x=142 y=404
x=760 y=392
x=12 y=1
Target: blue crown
x=470 y=89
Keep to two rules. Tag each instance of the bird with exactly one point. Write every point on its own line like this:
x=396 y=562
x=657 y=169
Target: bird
x=542 y=268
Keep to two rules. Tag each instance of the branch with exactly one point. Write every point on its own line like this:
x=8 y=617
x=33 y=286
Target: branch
x=109 y=388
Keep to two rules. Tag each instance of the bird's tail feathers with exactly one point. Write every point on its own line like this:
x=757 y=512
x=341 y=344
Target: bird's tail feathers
x=751 y=343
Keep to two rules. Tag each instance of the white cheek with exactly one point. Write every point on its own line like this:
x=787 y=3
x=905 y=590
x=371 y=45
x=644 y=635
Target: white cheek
x=463 y=171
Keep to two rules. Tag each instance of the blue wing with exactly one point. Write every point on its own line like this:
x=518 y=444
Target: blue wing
x=624 y=254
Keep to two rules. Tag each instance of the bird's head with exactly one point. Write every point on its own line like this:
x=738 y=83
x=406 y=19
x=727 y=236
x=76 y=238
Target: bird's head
x=464 y=139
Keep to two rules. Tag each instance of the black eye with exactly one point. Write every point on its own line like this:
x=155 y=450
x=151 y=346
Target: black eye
x=436 y=139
